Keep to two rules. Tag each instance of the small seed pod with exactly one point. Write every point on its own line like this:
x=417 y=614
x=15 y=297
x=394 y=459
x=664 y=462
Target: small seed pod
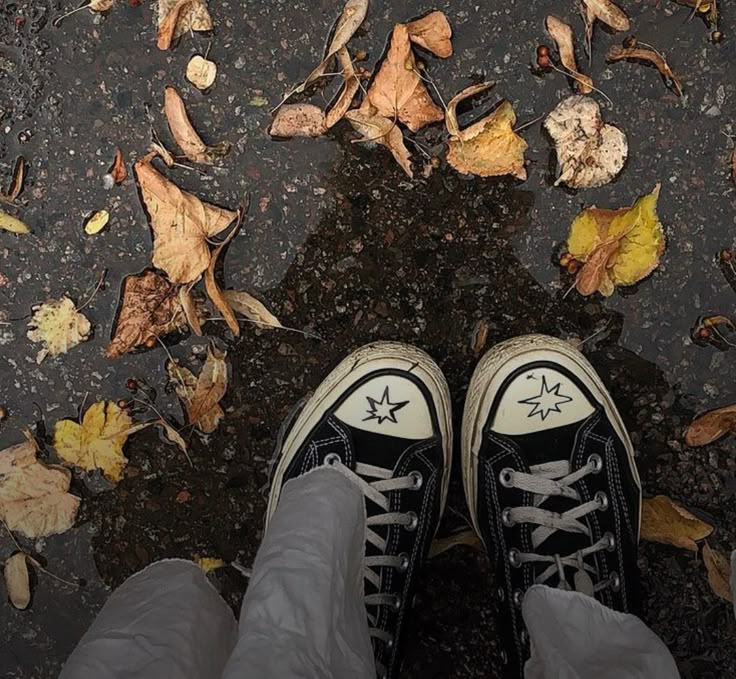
x=565 y=259
x=716 y=37
x=725 y=255
x=630 y=42
x=573 y=266
x=704 y=333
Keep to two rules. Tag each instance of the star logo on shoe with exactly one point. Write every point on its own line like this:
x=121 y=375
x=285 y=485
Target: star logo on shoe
x=547 y=401
x=383 y=410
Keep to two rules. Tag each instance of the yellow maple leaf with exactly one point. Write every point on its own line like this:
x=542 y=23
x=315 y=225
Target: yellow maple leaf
x=618 y=247
x=96 y=443
x=59 y=326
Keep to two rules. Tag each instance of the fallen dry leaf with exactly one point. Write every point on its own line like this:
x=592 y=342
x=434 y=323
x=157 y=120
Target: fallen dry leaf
x=244 y=303
x=379 y=130
x=618 y=247
x=590 y=153
x=618 y=53
x=189 y=307
x=298 y=120
x=432 y=32
x=101 y=5
x=16 y=182
x=96 y=222
x=564 y=37
x=213 y=290
x=711 y=426
x=176 y=17
x=118 y=171
x=351 y=85
x=489 y=147
x=96 y=443
x=469 y=538
x=607 y=12
x=186 y=136
x=397 y=91
x=34 y=497
x=664 y=521
x=209 y=564
x=58 y=326
x=150 y=308
x=201 y=72
x=719 y=572
x=17 y=582
x=12 y=224
x=201 y=395
x=704 y=8
x=182 y=224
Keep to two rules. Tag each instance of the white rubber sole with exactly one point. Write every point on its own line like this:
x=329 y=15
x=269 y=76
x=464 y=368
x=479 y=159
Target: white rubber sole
x=366 y=360
x=489 y=374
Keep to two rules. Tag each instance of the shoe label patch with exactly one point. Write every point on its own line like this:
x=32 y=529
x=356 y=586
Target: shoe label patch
x=548 y=400
x=383 y=410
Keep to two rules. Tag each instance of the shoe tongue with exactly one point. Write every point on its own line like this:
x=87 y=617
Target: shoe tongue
x=378 y=450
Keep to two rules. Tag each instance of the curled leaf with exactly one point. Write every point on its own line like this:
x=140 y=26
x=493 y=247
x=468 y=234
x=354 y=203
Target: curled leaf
x=176 y=17
x=380 y=130
x=489 y=147
x=244 y=303
x=58 y=326
x=719 y=572
x=469 y=538
x=17 y=582
x=298 y=120
x=96 y=222
x=607 y=12
x=618 y=53
x=662 y=520
x=563 y=36
x=34 y=497
x=189 y=306
x=12 y=224
x=186 y=136
x=711 y=426
x=590 y=153
x=350 y=88
x=433 y=33
x=16 y=182
x=118 y=171
x=213 y=290
x=201 y=72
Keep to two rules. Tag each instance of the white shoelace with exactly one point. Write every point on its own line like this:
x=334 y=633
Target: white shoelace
x=553 y=479
x=375 y=491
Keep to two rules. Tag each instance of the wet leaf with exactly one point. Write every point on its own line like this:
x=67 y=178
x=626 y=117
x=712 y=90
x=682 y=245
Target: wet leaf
x=379 y=130
x=58 y=326
x=607 y=12
x=618 y=53
x=176 y=17
x=34 y=497
x=662 y=520
x=201 y=395
x=564 y=37
x=719 y=572
x=298 y=120
x=711 y=426
x=12 y=224
x=469 y=538
x=17 y=582
x=397 y=91
x=489 y=147
x=350 y=88
x=201 y=72
x=118 y=171
x=432 y=32
x=186 y=136
x=96 y=222
x=181 y=224
x=244 y=303
x=213 y=290
x=149 y=308
x=16 y=183
x=590 y=153
x=96 y=443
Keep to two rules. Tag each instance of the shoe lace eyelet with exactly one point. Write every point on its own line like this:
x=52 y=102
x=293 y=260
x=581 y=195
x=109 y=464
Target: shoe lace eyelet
x=390 y=643
x=396 y=605
x=615 y=581
x=504 y=657
x=417 y=480
x=518 y=598
x=513 y=557
x=506 y=518
x=506 y=477
x=331 y=459
x=596 y=461
x=501 y=594
x=404 y=565
x=602 y=499
x=611 y=541
x=413 y=522
x=524 y=637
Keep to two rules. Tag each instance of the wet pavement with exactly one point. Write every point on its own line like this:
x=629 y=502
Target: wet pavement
x=340 y=243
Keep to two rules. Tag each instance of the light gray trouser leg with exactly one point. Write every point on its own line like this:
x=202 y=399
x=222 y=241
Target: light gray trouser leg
x=303 y=615
x=166 y=622
x=575 y=637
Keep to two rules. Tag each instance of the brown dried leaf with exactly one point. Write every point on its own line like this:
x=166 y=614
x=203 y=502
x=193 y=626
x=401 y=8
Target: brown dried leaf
x=244 y=303
x=201 y=396
x=176 y=17
x=719 y=572
x=662 y=520
x=349 y=89
x=181 y=224
x=298 y=120
x=383 y=131
x=609 y=13
x=397 y=91
x=489 y=147
x=118 y=171
x=149 y=308
x=618 y=53
x=711 y=426
x=17 y=582
x=213 y=290
x=564 y=37
x=162 y=152
x=433 y=32
x=469 y=538
x=189 y=307
x=186 y=136
x=34 y=497
x=594 y=273
x=16 y=183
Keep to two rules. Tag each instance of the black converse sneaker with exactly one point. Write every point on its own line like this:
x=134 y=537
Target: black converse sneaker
x=550 y=480
x=382 y=418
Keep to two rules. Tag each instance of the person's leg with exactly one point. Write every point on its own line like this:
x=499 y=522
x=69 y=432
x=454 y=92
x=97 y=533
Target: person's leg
x=554 y=493
x=355 y=500
x=166 y=622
